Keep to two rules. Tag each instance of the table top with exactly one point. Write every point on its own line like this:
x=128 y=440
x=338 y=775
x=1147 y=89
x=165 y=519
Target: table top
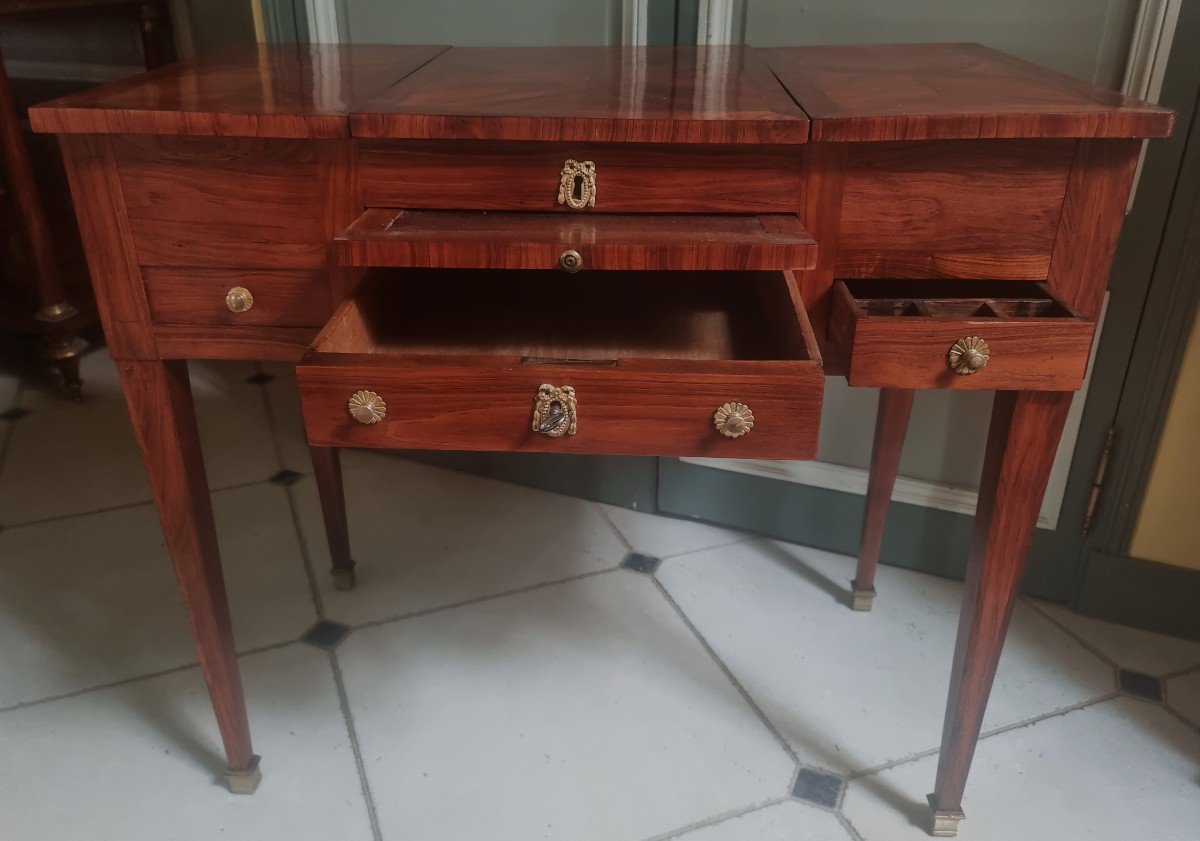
x=634 y=94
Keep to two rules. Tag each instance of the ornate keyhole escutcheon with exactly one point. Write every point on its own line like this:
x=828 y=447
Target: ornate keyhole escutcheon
x=577 y=184
x=554 y=411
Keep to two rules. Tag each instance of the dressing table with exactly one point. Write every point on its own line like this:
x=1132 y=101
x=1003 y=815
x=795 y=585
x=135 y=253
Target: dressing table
x=654 y=251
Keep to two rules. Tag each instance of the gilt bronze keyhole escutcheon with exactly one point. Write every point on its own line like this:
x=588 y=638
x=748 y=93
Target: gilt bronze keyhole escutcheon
x=577 y=184
x=554 y=411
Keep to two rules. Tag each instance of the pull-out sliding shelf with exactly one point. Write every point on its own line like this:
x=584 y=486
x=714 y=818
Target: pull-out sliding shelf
x=997 y=335
x=452 y=239
x=644 y=363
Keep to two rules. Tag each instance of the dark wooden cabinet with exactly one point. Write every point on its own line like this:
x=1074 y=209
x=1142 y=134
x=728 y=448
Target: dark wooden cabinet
x=607 y=250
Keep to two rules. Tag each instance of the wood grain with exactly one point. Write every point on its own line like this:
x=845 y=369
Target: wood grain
x=1022 y=442
x=263 y=90
x=186 y=341
x=327 y=470
x=465 y=377
x=950 y=92
x=499 y=240
x=1094 y=210
x=909 y=351
x=820 y=211
x=952 y=209
x=164 y=419
x=588 y=94
x=108 y=242
x=226 y=203
x=284 y=298
x=629 y=178
x=891 y=425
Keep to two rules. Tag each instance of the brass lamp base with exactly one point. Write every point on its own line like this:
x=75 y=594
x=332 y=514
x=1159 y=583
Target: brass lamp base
x=343 y=577
x=861 y=598
x=244 y=782
x=945 y=822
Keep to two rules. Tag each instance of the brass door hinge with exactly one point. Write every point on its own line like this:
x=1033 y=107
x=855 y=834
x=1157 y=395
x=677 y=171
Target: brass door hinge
x=1089 y=513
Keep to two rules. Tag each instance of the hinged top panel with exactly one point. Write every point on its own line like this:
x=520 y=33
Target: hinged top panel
x=266 y=90
x=600 y=94
x=950 y=92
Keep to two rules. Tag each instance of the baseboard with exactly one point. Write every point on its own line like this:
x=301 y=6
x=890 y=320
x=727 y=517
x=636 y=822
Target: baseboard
x=1144 y=594
x=853 y=480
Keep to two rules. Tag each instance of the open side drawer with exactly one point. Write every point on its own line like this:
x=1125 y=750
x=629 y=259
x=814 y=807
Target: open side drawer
x=998 y=335
x=460 y=239
x=462 y=360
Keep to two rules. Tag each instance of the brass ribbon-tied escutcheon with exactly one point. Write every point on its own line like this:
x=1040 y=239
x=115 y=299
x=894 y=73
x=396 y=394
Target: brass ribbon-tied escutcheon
x=554 y=410
x=577 y=184
x=968 y=355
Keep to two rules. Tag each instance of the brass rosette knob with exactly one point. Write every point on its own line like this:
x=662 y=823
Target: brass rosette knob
x=733 y=420
x=554 y=410
x=968 y=355
x=239 y=299
x=366 y=407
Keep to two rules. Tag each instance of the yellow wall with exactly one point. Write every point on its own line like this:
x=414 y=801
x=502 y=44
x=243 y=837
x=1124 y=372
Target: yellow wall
x=1168 y=527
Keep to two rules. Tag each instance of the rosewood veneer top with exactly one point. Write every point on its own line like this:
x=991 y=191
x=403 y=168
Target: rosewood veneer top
x=951 y=92
x=624 y=94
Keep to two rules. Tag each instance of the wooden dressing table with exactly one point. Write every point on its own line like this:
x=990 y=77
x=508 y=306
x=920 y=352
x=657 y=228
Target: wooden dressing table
x=602 y=250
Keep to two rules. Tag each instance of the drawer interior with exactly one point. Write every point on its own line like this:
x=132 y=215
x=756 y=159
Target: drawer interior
x=951 y=299
x=591 y=316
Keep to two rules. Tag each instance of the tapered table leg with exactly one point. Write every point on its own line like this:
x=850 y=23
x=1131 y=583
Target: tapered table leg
x=1023 y=438
x=891 y=423
x=160 y=405
x=327 y=466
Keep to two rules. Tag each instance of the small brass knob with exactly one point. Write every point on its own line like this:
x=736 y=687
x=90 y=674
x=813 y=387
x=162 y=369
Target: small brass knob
x=733 y=420
x=366 y=407
x=239 y=299
x=570 y=261
x=968 y=355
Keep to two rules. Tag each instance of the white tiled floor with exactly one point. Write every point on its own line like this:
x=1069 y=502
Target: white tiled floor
x=504 y=678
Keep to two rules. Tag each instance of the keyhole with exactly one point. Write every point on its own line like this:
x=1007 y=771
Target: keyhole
x=577 y=188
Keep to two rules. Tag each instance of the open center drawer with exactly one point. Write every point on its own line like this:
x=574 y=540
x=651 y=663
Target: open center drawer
x=460 y=239
x=953 y=334
x=639 y=363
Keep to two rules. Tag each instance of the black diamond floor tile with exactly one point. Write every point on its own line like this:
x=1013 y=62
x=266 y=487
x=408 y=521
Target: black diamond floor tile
x=638 y=562
x=1140 y=685
x=819 y=787
x=286 y=477
x=14 y=414
x=326 y=634
x=261 y=378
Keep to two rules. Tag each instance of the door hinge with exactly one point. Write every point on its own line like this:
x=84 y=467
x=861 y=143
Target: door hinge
x=1089 y=513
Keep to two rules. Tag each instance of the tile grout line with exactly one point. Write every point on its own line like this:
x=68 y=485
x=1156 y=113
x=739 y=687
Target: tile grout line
x=1184 y=672
x=416 y=614
x=293 y=508
x=717 y=819
x=725 y=669
x=847 y=825
x=125 y=681
x=355 y=747
x=1183 y=719
x=127 y=505
x=620 y=534
x=1104 y=658
x=996 y=731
